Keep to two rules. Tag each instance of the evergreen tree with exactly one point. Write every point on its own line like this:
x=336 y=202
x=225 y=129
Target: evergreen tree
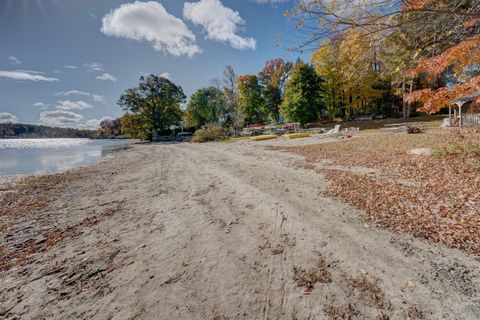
x=303 y=95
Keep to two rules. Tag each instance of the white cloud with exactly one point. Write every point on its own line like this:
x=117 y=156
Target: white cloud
x=70 y=67
x=72 y=105
x=221 y=23
x=60 y=118
x=94 y=67
x=6 y=117
x=149 y=21
x=15 y=60
x=166 y=75
x=107 y=77
x=94 y=123
x=41 y=105
x=269 y=1
x=98 y=98
x=72 y=93
x=95 y=97
x=25 y=75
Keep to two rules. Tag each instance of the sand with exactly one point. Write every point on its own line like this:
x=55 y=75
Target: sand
x=222 y=231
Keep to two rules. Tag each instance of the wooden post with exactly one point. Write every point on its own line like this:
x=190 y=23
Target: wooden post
x=460 y=114
x=449 y=116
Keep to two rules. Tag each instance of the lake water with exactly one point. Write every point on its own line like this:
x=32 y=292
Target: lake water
x=27 y=156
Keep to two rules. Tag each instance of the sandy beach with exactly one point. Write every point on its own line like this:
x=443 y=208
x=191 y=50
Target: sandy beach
x=214 y=231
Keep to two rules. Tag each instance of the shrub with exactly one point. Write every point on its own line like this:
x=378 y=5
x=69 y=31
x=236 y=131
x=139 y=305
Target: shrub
x=209 y=133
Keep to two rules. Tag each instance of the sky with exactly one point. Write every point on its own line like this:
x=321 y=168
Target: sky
x=66 y=62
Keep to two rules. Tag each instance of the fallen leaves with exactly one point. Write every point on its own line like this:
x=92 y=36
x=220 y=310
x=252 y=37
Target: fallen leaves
x=431 y=197
x=306 y=279
x=26 y=219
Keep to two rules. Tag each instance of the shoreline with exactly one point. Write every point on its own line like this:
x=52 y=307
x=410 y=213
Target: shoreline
x=105 y=152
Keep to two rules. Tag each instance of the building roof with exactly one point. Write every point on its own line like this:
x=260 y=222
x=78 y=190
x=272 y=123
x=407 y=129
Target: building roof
x=468 y=98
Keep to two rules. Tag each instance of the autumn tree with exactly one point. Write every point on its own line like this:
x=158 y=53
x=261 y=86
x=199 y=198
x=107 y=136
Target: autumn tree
x=303 y=95
x=327 y=65
x=109 y=128
x=250 y=100
x=134 y=127
x=351 y=70
x=418 y=39
x=272 y=78
x=451 y=73
x=154 y=105
x=320 y=19
x=205 y=106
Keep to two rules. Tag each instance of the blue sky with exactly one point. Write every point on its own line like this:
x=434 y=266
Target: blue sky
x=66 y=62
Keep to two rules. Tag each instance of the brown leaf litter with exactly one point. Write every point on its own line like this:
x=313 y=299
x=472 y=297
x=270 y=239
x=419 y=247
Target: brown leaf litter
x=432 y=197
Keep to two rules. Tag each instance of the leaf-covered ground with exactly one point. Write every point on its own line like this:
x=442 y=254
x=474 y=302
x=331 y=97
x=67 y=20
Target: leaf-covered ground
x=436 y=197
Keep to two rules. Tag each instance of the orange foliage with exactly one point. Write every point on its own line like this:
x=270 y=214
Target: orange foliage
x=246 y=80
x=416 y=4
x=470 y=23
x=460 y=56
x=433 y=101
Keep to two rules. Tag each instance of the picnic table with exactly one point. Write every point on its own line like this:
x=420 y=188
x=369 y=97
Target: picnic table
x=402 y=127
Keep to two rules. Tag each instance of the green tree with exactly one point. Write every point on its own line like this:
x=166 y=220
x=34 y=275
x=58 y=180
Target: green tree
x=205 y=106
x=154 y=104
x=303 y=100
x=250 y=100
x=272 y=78
x=133 y=126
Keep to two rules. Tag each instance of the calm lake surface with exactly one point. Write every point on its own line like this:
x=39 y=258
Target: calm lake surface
x=27 y=156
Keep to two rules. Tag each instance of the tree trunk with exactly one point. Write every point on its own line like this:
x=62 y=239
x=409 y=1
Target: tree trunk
x=409 y=109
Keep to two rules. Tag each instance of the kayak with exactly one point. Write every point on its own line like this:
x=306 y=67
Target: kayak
x=264 y=137
x=296 y=135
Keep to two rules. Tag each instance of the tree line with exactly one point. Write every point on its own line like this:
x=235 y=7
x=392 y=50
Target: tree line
x=385 y=58
x=19 y=130
x=420 y=54
x=281 y=91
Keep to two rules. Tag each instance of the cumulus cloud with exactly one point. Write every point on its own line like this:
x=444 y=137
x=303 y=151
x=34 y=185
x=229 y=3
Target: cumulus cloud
x=95 y=97
x=6 y=117
x=221 y=23
x=15 y=60
x=94 y=123
x=94 y=67
x=166 y=75
x=25 y=75
x=60 y=118
x=73 y=105
x=107 y=77
x=41 y=105
x=149 y=21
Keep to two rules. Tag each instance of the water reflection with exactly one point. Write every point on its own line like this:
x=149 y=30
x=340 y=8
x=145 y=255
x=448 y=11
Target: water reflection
x=51 y=155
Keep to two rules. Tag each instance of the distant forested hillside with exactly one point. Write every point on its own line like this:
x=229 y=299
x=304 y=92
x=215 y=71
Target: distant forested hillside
x=18 y=130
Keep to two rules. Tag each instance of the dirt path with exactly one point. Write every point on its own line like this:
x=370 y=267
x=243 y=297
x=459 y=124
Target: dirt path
x=224 y=231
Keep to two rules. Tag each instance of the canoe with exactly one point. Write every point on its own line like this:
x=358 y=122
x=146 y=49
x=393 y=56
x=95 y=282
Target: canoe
x=264 y=137
x=296 y=135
